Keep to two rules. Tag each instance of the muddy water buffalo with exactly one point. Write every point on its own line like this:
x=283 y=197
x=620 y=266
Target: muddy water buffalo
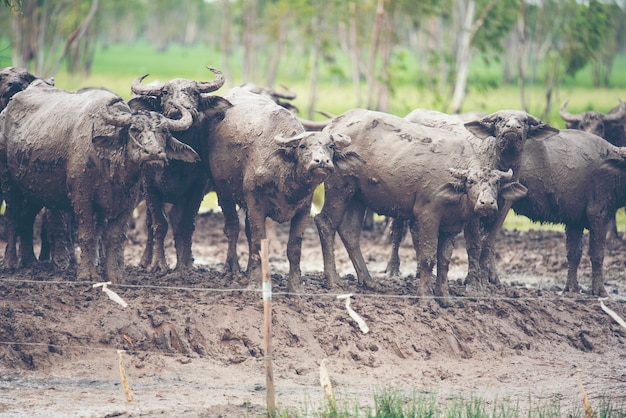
x=611 y=127
x=82 y=152
x=410 y=172
x=579 y=180
x=182 y=184
x=499 y=140
x=263 y=160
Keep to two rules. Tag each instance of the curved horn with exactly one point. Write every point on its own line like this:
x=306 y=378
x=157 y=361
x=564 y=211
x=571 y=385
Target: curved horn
x=568 y=117
x=310 y=125
x=209 y=86
x=506 y=175
x=182 y=124
x=290 y=95
x=115 y=117
x=617 y=114
x=140 y=89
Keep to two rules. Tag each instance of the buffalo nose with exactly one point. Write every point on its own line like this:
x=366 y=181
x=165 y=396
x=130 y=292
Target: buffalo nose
x=514 y=124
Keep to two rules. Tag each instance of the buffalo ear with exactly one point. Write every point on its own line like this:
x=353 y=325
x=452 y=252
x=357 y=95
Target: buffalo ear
x=177 y=150
x=513 y=191
x=482 y=128
x=346 y=161
x=542 y=131
x=215 y=104
x=451 y=192
x=149 y=103
x=341 y=141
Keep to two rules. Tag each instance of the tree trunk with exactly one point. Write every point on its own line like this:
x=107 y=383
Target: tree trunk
x=316 y=24
x=521 y=57
x=463 y=56
x=274 y=62
x=249 y=18
x=225 y=42
x=354 y=50
x=370 y=76
x=384 y=98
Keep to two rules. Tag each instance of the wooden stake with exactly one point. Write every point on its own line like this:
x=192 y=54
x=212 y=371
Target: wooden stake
x=267 y=329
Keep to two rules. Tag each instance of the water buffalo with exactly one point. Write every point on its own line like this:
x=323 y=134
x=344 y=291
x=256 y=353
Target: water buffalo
x=499 y=140
x=410 y=172
x=263 y=160
x=182 y=184
x=83 y=152
x=611 y=127
x=579 y=180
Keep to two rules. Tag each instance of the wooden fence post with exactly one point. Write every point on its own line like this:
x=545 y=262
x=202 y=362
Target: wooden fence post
x=267 y=329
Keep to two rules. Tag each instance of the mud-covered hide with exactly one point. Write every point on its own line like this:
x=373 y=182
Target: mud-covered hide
x=579 y=180
x=263 y=160
x=184 y=185
x=499 y=140
x=410 y=172
x=12 y=81
x=83 y=152
x=610 y=126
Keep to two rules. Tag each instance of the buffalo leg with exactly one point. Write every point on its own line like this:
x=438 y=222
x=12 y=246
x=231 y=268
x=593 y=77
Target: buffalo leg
x=327 y=221
x=114 y=237
x=148 y=253
x=597 y=242
x=183 y=219
x=256 y=227
x=398 y=229
x=294 y=247
x=445 y=247
x=159 y=230
x=428 y=228
x=231 y=229
x=350 y=233
x=488 y=264
x=473 y=248
x=25 y=233
x=574 y=243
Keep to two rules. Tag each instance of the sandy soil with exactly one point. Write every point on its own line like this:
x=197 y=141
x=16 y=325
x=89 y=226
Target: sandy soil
x=194 y=345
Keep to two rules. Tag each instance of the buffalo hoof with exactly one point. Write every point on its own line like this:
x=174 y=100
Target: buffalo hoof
x=444 y=301
x=599 y=290
x=393 y=270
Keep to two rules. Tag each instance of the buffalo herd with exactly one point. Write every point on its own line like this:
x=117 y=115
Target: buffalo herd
x=88 y=158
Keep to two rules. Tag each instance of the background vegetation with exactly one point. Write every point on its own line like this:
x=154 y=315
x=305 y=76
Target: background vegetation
x=450 y=55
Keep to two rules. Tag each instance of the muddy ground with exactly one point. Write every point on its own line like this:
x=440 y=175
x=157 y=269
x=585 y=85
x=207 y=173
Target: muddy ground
x=194 y=344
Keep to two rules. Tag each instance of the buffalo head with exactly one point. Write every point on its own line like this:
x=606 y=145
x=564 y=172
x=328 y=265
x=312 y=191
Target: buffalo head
x=482 y=186
x=510 y=129
x=148 y=135
x=167 y=98
x=595 y=122
x=317 y=153
x=13 y=80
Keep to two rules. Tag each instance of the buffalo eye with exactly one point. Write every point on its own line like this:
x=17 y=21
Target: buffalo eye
x=165 y=92
x=134 y=129
x=332 y=146
x=302 y=146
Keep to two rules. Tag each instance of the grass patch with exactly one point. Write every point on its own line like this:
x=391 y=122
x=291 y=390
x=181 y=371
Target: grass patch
x=397 y=403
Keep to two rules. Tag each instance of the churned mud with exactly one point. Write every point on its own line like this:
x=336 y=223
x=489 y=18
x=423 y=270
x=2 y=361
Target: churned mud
x=194 y=345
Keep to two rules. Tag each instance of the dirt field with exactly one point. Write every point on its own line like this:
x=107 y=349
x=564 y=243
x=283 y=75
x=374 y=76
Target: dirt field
x=194 y=345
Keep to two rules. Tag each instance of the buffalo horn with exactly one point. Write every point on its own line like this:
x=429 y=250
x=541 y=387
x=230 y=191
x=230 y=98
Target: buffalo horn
x=116 y=117
x=618 y=114
x=506 y=175
x=209 y=86
x=568 y=117
x=181 y=124
x=290 y=95
x=140 y=89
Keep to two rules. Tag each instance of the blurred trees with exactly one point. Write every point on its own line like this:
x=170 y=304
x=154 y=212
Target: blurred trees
x=364 y=42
